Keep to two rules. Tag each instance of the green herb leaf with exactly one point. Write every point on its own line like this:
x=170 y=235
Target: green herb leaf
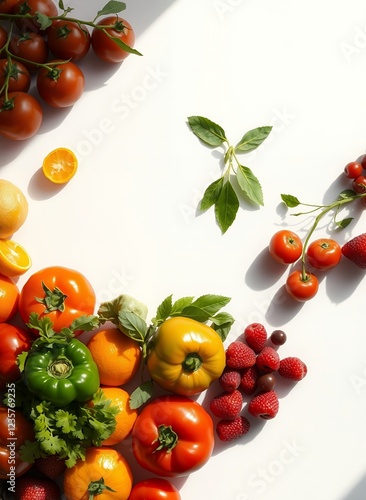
x=43 y=20
x=109 y=311
x=222 y=323
x=290 y=201
x=180 y=304
x=226 y=207
x=347 y=193
x=204 y=307
x=122 y=45
x=344 y=222
x=132 y=325
x=206 y=130
x=85 y=323
x=61 y=5
x=252 y=139
x=21 y=359
x=141 y=394
x=163 y=310
x=249 y=184
x=112 y=7
x=212 y=193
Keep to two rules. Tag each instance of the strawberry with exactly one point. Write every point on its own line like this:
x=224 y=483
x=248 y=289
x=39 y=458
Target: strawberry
x=232 y=429
x=255 y=335
x=248 y=381
x=355 y=250
x=292 y=368
x=227 y=405
x=230 y=380
x=268 y=360
x=32 y=488
x=51 y=466
x=264 y=405
x=239 y=355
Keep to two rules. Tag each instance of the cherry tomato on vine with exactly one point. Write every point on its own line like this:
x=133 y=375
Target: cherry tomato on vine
x=3 y=37
x=61 y=84
x=46 y=7
x=359 y=184
x=20 y=116
x=302 y=288
x=29 y=46
x=285 y=247
x=353 y=169
x=68 y=40
x=18 y=76
x=324 y=253
x=154 y=489
x=7 y=6
x=106 y=48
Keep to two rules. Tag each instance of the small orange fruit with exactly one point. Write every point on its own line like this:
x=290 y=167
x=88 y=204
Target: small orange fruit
x=117 y=356
x=60 y=165
x=14 y=259
x=9 y=297
x=13 y=208
x=124 y=419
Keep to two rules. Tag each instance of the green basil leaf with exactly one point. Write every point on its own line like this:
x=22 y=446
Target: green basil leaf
x=132 y=325
x=206 y=130
x=180 y=304
x=211 y=303
x=252 y=139
x=249 y=184
x=211 y=194
x=344 y=222
x=222 y=323
x=43 y=20
x=141 y=394
x=290 y=201
x=226 y=207
x=164 y=309
x=112 y=7
x=85 y=323
x=347 y=193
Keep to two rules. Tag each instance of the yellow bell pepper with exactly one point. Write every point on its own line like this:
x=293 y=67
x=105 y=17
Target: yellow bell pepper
x=185 y=356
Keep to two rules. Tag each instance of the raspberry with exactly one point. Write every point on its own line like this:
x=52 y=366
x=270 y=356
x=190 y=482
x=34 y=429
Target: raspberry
x=227 y=405
x=232 y=429
x=248 y=382
x=239 y=355
x=255 y=335
x=268 y=360
x=292 y=368
x=264 y=405
x=230 y=380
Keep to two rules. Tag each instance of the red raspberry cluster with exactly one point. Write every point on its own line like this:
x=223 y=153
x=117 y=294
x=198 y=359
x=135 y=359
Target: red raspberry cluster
x=252 y=366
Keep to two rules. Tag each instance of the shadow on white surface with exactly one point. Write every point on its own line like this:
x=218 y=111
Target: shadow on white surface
x=358 y=492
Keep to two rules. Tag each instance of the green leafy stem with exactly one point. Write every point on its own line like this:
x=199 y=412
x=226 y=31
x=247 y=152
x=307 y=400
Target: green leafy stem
x=345 y=197
x=221 y=193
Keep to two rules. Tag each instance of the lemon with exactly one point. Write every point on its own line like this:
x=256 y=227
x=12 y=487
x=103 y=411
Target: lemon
x=13 y=208
x=14 y=259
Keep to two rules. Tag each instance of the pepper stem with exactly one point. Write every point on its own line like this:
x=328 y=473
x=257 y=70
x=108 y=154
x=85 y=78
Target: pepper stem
x=167 y=438
x=97 y=488
x=192 y=362
x=60 y=368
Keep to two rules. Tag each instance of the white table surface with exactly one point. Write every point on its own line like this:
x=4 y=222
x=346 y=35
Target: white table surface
x=128 y=220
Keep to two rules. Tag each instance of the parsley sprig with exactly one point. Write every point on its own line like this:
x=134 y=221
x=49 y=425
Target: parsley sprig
x=221 y=193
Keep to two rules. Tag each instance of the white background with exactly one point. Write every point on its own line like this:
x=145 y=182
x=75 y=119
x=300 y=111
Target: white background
x=128 y=219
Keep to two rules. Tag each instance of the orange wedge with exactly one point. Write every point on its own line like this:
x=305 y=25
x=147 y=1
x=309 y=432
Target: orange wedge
x=14 y=259
x=60 y=165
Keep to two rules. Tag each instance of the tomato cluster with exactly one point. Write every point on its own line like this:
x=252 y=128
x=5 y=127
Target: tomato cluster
x=38 y=45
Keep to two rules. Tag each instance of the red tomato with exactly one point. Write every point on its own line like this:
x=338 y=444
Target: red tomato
x=59 y=293
x=353 y=169
x=18 y=76
x=20 y=116
x=3 y=36
x=154 y=489
x=68 y=40
x=61 y=86
x=46 y=7
x=359 y=184
x=31 y=47
x=15 y=430
x=13 y=341
x=172 y=436
x=302 y=288
x=324 y=253
x=7 y=6
x=285 y=247
x=105 y=47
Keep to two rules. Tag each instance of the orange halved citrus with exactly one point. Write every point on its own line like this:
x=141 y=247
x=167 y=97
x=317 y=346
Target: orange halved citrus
x=14 y=259
x=60 y=165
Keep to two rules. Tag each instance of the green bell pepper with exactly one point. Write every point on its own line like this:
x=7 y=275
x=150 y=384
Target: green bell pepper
x=62 y=373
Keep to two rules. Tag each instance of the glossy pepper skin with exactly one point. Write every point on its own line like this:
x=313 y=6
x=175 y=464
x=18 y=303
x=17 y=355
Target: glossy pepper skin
x=185 y=356
x=62 y=374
